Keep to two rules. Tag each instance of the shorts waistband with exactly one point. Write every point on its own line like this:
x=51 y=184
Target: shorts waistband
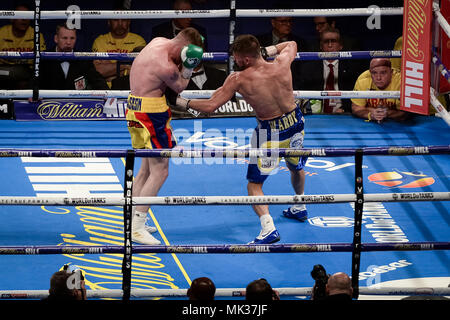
x=147 y=104
x=284 y=122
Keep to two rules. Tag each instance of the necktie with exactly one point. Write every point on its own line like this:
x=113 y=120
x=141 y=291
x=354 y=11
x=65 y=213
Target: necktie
x=329 y=86
x=194 y=74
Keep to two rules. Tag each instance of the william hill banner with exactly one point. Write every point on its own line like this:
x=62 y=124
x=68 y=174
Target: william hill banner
x=111 y=109
x=415 y=91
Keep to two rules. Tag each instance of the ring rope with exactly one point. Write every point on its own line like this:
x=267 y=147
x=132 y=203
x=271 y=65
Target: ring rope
x=190 y=94
x=207 y=56
x=228 y=292
x=229 y=153
x=225 y=248
x=224 y=292
x=220 y=13
x=224 y=200
x=440 y=18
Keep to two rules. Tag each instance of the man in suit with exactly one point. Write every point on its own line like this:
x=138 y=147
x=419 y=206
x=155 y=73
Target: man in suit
x=322 y=23
x=171 y=28
x=69 y=75
x=331 y=74
x=281 y=32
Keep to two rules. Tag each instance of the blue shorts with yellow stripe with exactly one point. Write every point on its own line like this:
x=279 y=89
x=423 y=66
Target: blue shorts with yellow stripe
x=286 y=131
x=148 y=121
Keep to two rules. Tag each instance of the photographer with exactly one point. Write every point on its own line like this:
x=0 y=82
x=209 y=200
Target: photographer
x=260 y=290
x=319 y=274
x=336 y=287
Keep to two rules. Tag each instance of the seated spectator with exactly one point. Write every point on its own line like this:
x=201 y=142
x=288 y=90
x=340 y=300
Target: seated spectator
x=63 y=287
x=206 y=77
x=71 y=74
x=330 y=75
x=380 y=77
x=260 y=290
x=321 y=23
x=119 y=39
x=171 y=28
x=17 y=36
x=202 y=289
x=339 y=287
x=123 y=82
x=281 y=32
x=397 y=62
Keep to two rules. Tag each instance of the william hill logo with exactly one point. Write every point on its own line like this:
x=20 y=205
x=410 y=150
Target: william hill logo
x=54 y=110
x=401 y=179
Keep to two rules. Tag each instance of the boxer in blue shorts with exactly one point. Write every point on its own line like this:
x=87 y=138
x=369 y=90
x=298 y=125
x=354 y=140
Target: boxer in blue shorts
x=286 y=131
x=267 y=87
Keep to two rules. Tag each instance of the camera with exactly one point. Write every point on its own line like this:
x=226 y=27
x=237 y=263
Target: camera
x=320 y=275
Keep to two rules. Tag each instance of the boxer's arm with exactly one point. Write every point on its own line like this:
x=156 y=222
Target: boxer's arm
x=217 y=99
x=171 y=76
x=286 y=51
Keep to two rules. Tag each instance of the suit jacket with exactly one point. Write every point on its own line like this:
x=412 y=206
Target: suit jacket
x=311 y=77
x=165 y=30
x=215 y=79
x=51 y=75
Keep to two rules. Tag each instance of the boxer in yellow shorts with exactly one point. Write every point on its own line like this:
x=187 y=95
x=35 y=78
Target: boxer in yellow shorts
x=148 y=121
x=162 y=64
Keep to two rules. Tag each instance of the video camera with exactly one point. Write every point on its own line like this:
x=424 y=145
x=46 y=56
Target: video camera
x=320 y=275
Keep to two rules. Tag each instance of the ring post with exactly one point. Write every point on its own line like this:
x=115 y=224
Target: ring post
x=359 y=205
x=37 y=50
x=127 y=216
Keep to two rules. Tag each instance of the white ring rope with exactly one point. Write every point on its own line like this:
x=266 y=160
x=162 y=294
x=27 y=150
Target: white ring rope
x=191 y=94
x=221 y=13
x=223 y=200
x=224 y=292
x=440 y=18
x=443 y=113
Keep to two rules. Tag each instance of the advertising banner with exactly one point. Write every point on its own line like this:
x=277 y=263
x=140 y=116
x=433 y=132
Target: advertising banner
x=110 y=109
x=415 y=90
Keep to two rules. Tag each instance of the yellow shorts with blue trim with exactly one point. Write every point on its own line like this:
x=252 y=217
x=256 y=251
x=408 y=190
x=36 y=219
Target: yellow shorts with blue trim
x=148 y=121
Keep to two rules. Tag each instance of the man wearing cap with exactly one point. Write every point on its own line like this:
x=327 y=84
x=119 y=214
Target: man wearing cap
x=380 y=77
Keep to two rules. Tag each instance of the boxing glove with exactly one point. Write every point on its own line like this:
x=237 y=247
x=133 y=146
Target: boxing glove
x=191 y=56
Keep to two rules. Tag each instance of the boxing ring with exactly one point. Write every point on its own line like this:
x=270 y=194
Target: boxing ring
x=204 y=221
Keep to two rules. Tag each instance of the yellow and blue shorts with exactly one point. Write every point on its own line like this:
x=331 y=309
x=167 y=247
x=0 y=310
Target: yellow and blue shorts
x=148 y=121
x=286 y=131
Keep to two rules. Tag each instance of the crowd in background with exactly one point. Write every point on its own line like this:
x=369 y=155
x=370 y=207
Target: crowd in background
x=329 y=35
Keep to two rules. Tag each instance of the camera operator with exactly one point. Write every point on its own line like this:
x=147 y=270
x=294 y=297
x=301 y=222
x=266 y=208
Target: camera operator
x=336 y=287
x=319 y=274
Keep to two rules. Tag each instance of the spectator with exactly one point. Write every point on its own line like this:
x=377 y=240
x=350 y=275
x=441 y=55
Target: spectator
x=206 y=77
x=330 y=75
x=64 y=286
x=380 y=77
x=339 y=287
x=69 y=75
x=202 y=289
x=282 y=32
x=322 y=23
x=171 y=28
x=17 y=36
x=123 y=82
x=397 y=62
x=260 y=290
x=119 y=39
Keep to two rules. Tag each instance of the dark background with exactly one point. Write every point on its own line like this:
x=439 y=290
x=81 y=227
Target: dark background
x=218 y=28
